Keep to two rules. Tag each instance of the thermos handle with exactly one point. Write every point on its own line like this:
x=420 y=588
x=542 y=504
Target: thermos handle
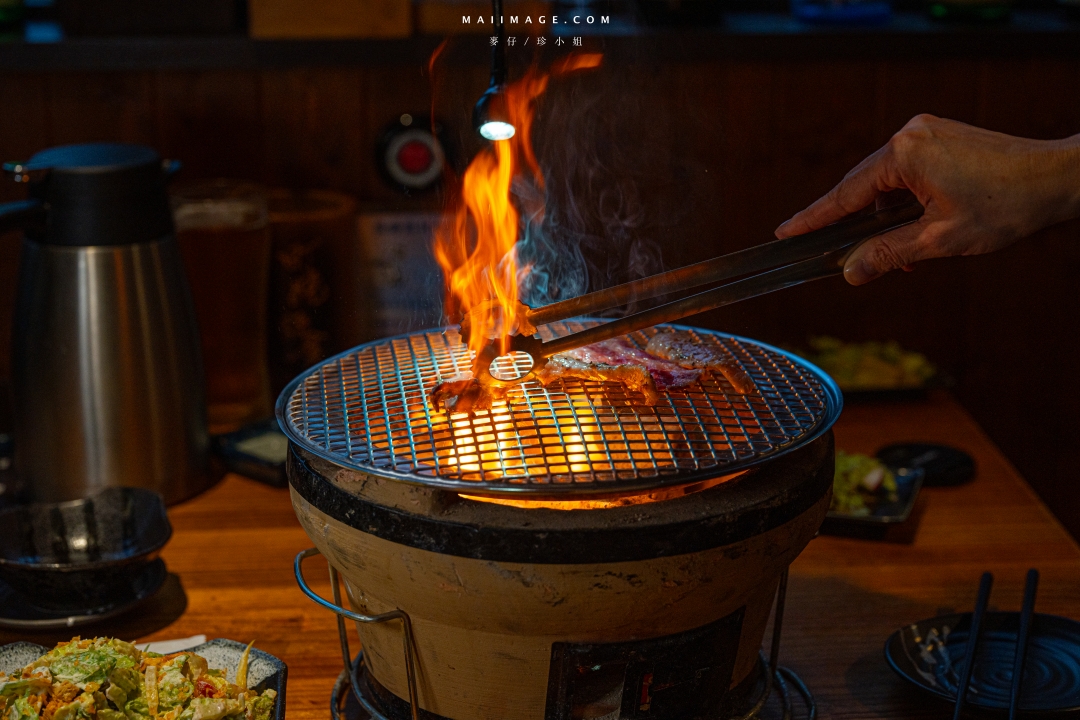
x=19 y=214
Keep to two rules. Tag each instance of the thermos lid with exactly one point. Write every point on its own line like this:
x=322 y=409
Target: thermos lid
x=99 y=194
x=91 y=158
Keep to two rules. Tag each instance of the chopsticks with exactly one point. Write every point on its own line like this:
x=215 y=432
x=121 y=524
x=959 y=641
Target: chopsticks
x=985 y=583
x=1027 y=613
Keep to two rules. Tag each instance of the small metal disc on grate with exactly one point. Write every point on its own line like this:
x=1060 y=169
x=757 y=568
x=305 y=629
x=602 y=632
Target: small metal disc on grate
x=368 y=410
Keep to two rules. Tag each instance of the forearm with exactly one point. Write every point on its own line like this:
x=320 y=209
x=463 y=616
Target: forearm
x=1069 y=169
x=1035 y=185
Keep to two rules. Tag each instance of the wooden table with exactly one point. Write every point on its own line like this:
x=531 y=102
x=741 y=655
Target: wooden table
x=233 y=548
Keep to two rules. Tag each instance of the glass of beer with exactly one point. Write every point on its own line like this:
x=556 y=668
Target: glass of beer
x=224 y=234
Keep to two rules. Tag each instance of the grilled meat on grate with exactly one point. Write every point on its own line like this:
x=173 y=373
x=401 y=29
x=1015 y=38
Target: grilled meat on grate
x=616 y=360
x=620 y=360
x=634 y=377
x=684 y=349
x=463 y=393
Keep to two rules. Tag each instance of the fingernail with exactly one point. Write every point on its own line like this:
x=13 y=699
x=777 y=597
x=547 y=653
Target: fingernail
x=780 y=230
x=859 y=272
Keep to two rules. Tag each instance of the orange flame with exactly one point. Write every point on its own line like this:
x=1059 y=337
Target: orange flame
x=475 y=246
x=644 y=498
x=578 y=61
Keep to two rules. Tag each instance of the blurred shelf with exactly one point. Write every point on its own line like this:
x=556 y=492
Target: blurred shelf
x=206 y=53
x=744 y=35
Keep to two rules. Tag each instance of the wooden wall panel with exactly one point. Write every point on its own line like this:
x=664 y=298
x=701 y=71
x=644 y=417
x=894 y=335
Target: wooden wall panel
x=946 y=88
x=25 y=122
x=824 y=122
x=102 y=107
x=1029 y=98
x=744 y=152
x=1019 y=370
x=811 y=146
x=690 y=199
x=213 y=122
x=316 y=130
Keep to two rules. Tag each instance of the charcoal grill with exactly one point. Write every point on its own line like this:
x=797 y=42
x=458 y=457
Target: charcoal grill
x=368 y=410
x=508 y=608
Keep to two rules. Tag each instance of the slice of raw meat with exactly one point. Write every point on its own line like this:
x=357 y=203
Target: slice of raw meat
x=620 y=360
x=681 y=347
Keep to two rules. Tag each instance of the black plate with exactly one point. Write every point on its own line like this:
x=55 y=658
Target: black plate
x=87 y=553
x=908 y=484
x=18 y=614
x=264 y=670
x=252 y=452
x=944 y=466
x=928 y=653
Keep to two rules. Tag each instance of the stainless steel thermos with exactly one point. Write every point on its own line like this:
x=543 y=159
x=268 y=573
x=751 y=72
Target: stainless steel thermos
x=107 y=383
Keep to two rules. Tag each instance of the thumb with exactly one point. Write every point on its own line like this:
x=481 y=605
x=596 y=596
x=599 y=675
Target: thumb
x=879 y=255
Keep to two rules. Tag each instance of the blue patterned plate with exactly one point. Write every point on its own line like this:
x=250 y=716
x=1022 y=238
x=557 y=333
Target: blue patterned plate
x=928 y=654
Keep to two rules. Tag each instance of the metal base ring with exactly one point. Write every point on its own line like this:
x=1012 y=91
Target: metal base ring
x=344 y=685
x=343 y=688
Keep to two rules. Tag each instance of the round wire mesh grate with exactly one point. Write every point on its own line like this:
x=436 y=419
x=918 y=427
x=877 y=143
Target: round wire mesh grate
x=367 y=410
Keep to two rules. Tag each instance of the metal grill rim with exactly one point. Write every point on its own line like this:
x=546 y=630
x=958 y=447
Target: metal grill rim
x=330 y=412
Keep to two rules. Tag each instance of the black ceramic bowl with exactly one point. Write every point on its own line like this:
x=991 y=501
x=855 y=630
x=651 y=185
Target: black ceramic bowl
x=84 y=554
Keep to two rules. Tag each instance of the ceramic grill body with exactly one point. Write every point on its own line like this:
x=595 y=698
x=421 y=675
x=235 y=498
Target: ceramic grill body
x=632 y=578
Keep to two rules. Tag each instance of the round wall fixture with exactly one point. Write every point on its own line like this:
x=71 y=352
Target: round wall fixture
x=410 y=154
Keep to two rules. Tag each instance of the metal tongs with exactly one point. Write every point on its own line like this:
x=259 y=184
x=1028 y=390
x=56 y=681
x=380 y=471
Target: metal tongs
x=795 y=260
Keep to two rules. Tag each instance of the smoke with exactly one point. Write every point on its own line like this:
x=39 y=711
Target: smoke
x=595 y=221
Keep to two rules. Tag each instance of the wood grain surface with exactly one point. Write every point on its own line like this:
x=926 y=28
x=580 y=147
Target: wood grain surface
x=231 y=575
x=847 y=596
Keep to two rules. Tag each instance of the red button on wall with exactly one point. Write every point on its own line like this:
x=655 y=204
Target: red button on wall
x=415 y=157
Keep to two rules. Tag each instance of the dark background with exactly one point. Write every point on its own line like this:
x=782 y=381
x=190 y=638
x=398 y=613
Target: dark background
x=719 y=136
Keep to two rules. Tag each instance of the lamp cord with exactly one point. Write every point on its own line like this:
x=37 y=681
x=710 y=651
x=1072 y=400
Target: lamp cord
x=498 y=51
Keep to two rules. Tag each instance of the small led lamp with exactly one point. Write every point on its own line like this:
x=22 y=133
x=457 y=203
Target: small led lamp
x=489 y=115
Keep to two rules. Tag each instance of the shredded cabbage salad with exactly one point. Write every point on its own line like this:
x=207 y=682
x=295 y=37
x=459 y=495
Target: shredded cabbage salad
x=860 y=483
x=109 y=679
x=870 y=365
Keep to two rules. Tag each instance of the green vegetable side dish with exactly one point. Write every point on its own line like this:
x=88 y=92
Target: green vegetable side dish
x=110 y=679
x=870 y=365
x=860 y=484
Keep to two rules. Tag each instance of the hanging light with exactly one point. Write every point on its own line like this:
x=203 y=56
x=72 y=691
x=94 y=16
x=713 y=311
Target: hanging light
x=489 y=116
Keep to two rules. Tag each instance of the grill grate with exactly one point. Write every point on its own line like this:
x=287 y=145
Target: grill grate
x=367 y=409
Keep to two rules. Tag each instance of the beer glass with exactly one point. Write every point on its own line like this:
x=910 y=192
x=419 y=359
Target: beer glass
x=224 y=234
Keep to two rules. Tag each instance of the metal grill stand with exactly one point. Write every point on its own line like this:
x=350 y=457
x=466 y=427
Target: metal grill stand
x=342 y=613
x=351 y=681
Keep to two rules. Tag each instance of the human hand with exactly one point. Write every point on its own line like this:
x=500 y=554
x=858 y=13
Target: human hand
x=982 y=191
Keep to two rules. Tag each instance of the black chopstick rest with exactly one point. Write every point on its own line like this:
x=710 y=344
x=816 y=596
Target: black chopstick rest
x=1027 y=612
x=985 y=583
